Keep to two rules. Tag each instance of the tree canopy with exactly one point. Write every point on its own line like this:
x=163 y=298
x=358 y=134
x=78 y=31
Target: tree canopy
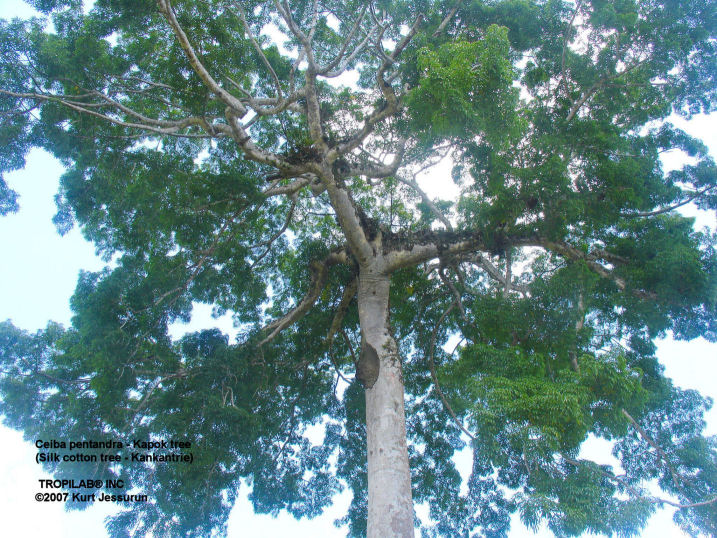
x=267 y=158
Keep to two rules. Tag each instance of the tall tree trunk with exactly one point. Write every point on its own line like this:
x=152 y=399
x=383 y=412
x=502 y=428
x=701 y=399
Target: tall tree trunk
x=390 y=504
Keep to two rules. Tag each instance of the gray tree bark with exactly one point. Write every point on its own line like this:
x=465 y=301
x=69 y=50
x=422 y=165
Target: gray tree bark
x=390 y=503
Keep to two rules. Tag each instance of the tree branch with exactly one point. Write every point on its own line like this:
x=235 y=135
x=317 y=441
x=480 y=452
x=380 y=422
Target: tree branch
x=432 y=367
x=255 y=153
x=578 y=327
x=456 y=294
x=677 y=478
x=413 y=249
x=278 y=234
x=636 y=494
x=667 y=209
x=348 y=215
x=447 y=19
x=165 y=7
x=346 y=298
x=565 y=48
x=595 y=87
x=313 y=111
x=260 y=52
x=380 y=170
x=573 y=253
x=426 y=200
x=163 y=127
x=508 y=273
x=303 y=180
x=350 y=346
x=319 y=276
x=260 y=104
x=326 y=70
x=391 y=105
x=484 y=263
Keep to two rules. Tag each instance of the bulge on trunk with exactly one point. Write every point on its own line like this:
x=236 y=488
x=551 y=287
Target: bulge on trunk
x=368 y=365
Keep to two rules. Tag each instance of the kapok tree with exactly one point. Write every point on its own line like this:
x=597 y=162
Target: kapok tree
x=215 y=155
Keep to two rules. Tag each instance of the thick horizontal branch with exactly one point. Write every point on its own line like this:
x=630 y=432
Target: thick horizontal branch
x=404 y=250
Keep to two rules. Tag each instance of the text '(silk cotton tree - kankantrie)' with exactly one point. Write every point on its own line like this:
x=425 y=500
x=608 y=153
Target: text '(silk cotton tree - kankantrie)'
x=215 y=152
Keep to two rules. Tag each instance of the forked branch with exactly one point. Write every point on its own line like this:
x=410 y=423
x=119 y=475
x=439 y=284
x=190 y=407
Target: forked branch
x=166 y=9
x=319 y=276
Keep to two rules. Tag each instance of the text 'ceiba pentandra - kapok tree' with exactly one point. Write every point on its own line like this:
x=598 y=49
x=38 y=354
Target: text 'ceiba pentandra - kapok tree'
x=216 y=154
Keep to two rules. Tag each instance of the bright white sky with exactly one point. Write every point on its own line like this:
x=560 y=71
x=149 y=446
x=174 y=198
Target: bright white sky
x=38 y=274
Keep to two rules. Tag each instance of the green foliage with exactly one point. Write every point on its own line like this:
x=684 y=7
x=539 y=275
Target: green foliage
x=464 y=88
